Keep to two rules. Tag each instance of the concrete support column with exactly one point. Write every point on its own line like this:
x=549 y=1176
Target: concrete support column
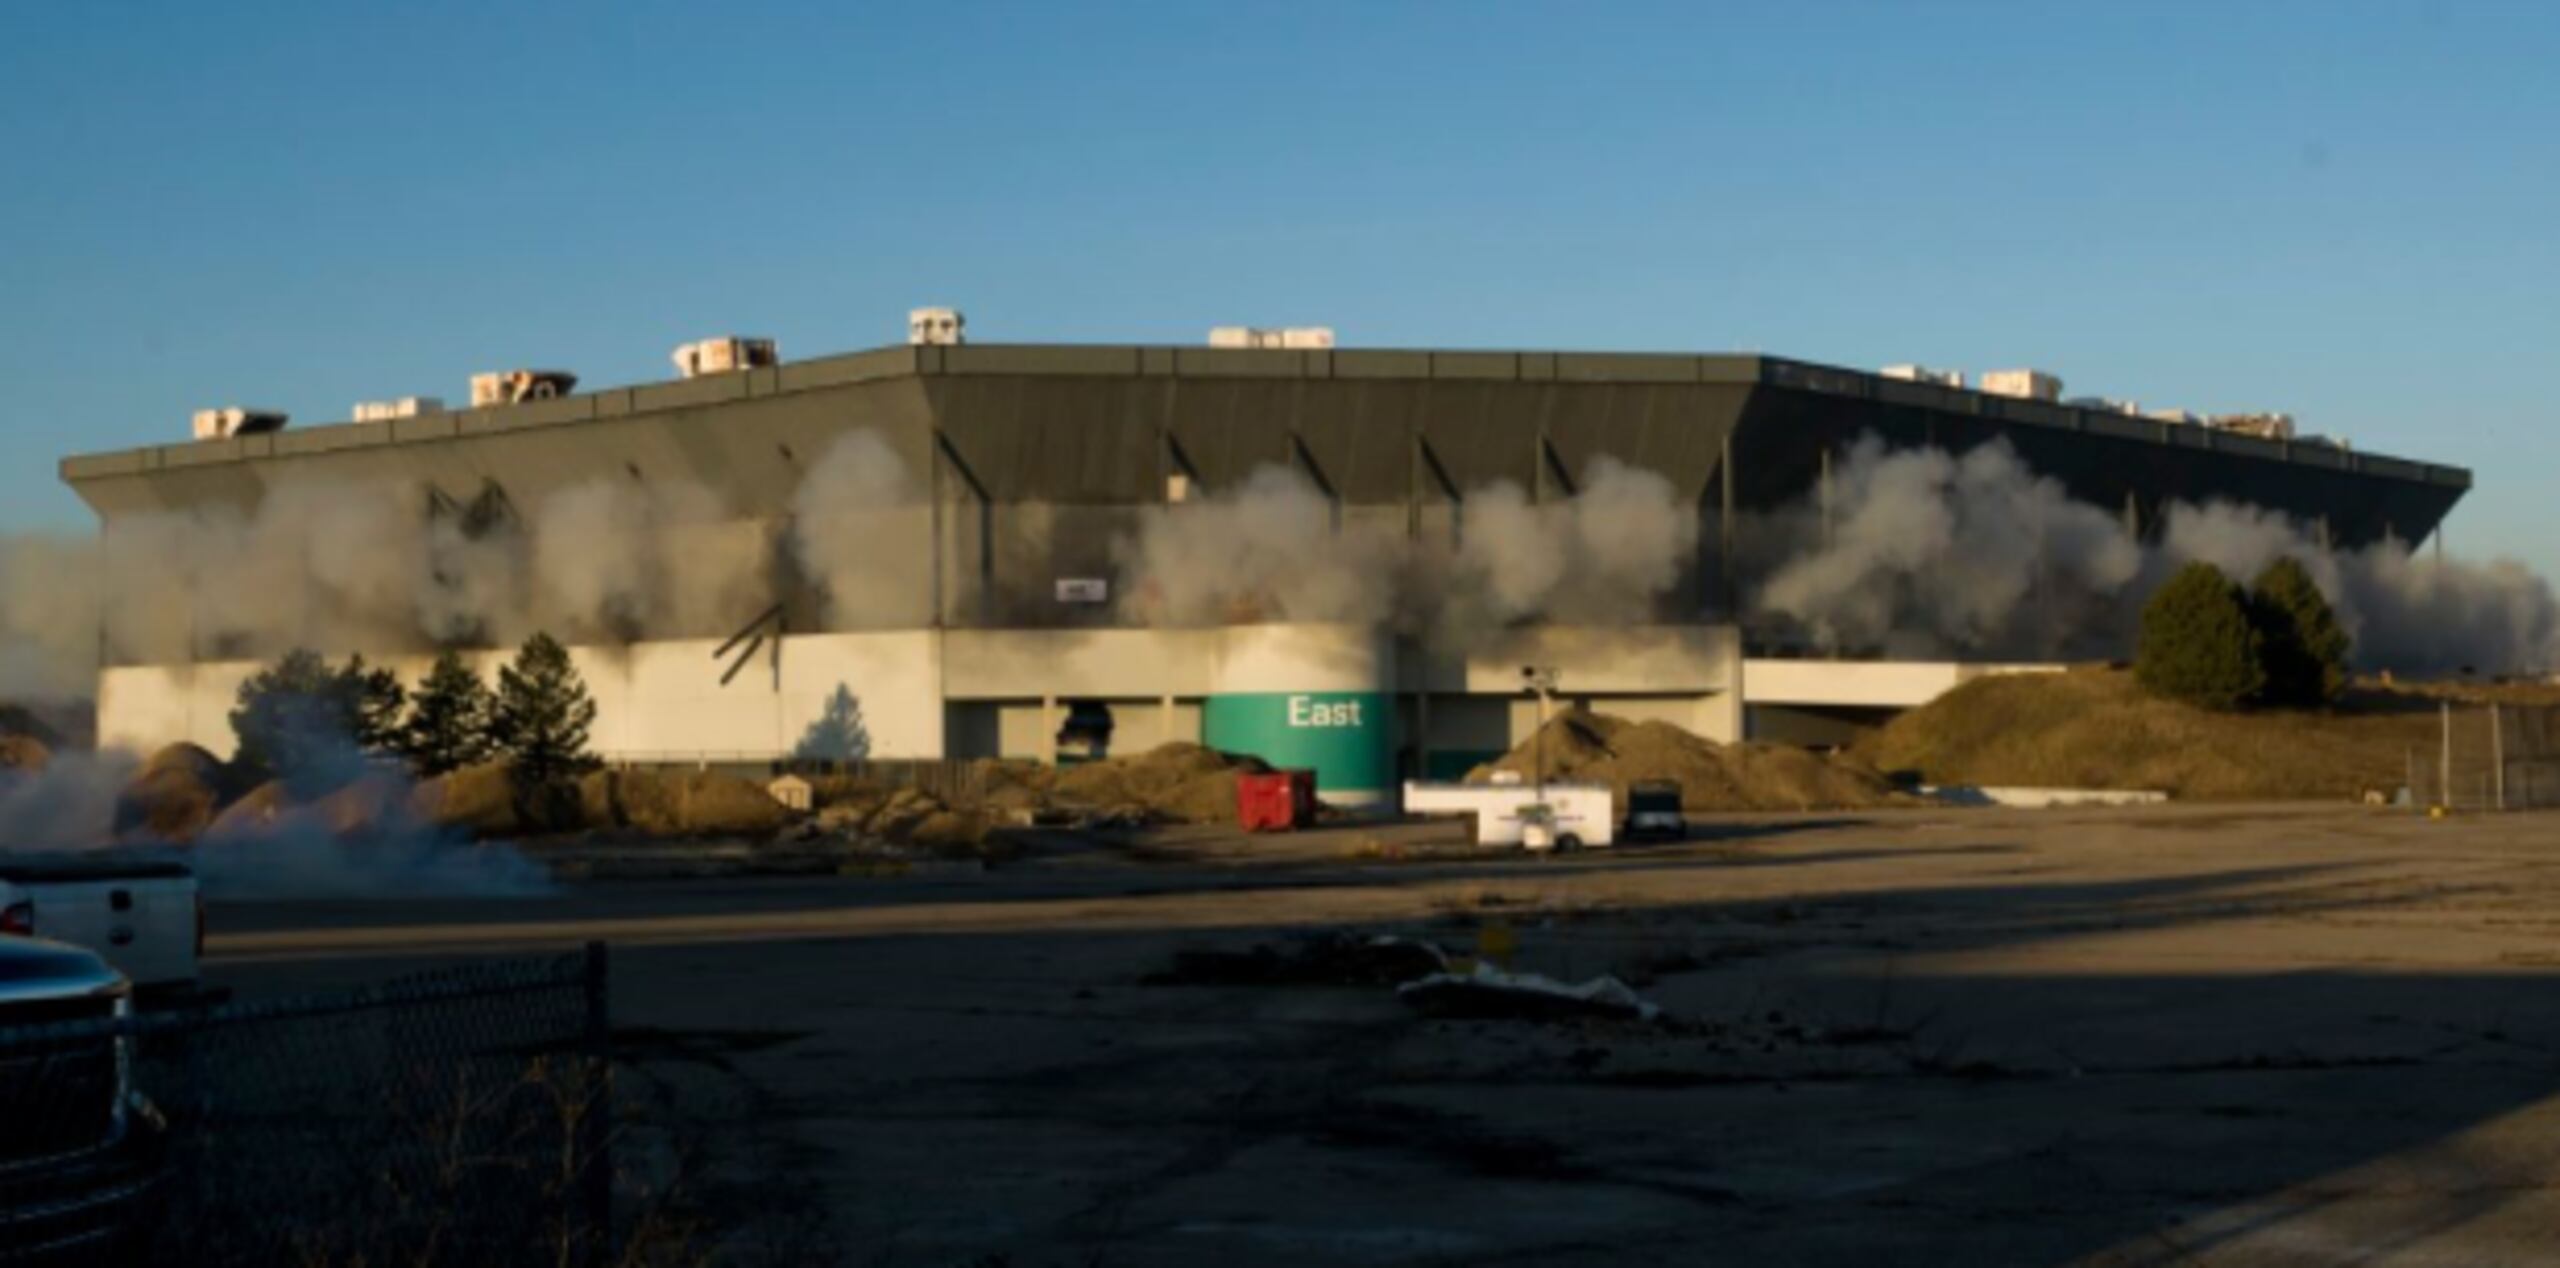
x=1049 y=730
x=1164 y=721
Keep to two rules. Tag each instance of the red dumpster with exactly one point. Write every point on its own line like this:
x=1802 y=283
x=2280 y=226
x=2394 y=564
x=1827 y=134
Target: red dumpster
x=1280 y=801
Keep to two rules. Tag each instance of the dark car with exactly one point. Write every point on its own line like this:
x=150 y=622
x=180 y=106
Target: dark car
x=80 y=1152
x=1653 y=812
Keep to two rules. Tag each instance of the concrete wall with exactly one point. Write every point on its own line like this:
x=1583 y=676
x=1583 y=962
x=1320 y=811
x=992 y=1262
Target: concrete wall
x=927 y=693
x=654 y=701
x=1895 y=684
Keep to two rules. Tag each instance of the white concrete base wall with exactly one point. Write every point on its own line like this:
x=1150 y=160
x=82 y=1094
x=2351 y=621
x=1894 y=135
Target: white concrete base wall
x=664 y=702
x=654 y=701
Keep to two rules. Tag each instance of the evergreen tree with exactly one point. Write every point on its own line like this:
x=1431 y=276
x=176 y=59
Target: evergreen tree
x=838 y=735
x=377 y=702
x=2197 y=643
x=542 y=713
x=297 y=720
x=449 y=718
x=2299 y=640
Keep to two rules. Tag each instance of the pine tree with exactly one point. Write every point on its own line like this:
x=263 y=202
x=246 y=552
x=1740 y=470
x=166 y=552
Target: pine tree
x=376 y=701
x=2300 y=642
x=2197 y=643
x=449 y=718
x=542 y=713
x=838 y=735
x=297 y=720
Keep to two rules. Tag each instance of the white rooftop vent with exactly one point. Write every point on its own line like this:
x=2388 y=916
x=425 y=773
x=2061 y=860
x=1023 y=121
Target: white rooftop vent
x=507 y=387
x=1271 y=337
x=402 y=407
x=940 y=327
x=722 y=355
x=2031 y=385
x=233 y=420
x=1923 y=374
x=2188 y=417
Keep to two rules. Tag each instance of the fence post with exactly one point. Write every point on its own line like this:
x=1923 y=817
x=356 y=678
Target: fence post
x=2498 y=754
x=2444 y=758
x=597 y=1122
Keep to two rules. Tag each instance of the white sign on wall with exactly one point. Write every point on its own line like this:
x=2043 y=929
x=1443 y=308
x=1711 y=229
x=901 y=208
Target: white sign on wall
x=1083 y=590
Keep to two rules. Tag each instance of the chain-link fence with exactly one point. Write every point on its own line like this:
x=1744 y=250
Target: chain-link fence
x=455 y=1118
x=2490 y=757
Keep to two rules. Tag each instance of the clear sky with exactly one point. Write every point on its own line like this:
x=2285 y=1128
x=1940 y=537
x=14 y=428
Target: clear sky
x=2347 y=211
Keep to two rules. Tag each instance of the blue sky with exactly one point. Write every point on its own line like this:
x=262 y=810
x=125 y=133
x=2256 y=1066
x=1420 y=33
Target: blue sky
x=2343 y=210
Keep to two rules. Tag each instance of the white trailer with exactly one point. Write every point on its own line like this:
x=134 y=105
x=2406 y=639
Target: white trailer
x=1580 y=814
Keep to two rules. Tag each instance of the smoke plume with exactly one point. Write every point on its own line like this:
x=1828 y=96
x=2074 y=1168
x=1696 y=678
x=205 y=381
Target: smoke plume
x=1276 y=548
x=1924 y=553
x=859 y=532
x=69 y=805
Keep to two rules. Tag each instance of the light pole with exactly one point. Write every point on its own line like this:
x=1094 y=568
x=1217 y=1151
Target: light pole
x=1539 y=681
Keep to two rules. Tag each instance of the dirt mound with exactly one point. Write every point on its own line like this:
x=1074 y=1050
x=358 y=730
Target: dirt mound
x=1598 y=748
x=1186 y=783
x=2097 y=728
x=680 y=803
x=24 y=753
x=905 y=816
x=480 y=800
x=175 y=797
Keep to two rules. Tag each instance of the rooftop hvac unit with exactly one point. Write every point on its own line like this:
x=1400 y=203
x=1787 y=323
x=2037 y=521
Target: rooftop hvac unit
x=2106 y=405
x=2031 y=385
x=507 y=387
x=1923 y=374
x=232 y=420
x=721 y=355
x=2187 y=417
x=403 y=407
x=1271 y=337
x=940 y=327
x=2263 y=426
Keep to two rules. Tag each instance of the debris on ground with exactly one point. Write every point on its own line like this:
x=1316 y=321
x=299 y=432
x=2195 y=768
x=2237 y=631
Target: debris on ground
x=1172 y=783
x=1580 y=745
x=1333 y=959
x=1487 y=993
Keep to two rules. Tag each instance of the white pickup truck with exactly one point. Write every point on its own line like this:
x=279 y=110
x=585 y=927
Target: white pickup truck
x=142 y=914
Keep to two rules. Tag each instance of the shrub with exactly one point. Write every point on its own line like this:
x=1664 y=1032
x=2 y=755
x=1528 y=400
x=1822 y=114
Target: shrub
x=2197 y=643
x=2300 y=644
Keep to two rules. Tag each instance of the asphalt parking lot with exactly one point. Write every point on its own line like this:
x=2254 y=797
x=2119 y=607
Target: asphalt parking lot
x=2261 y=1035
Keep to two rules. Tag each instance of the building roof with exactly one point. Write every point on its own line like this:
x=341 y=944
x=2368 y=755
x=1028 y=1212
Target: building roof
x=1070 y=361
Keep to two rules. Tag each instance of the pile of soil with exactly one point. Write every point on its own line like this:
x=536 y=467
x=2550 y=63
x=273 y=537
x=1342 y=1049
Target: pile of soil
x=24 y=753
x=2096 y=727
x=480 y=800
x=1173 y=783
x=903 y=816
x=1586 y=747
x=679 y=803
x=175 y=796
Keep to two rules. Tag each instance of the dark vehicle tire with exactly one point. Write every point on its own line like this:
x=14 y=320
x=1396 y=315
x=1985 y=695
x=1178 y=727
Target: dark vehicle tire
x=1568 y=843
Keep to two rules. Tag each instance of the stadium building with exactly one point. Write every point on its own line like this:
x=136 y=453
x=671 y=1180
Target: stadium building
x=1005 y=621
